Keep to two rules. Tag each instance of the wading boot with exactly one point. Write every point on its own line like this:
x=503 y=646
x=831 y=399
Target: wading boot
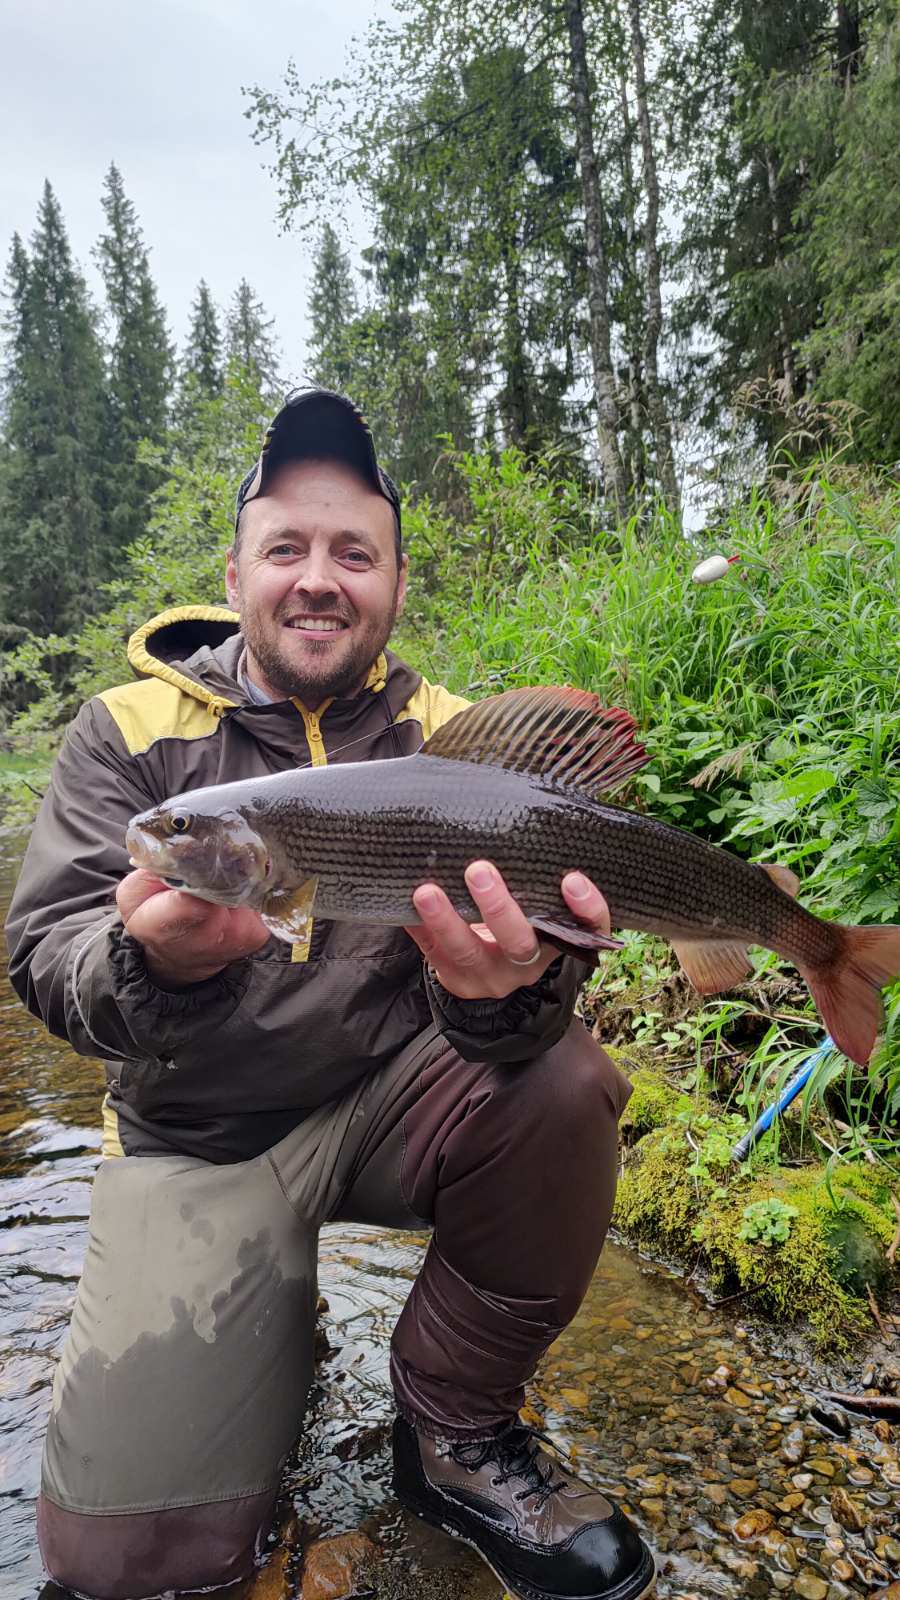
x=544 y=1533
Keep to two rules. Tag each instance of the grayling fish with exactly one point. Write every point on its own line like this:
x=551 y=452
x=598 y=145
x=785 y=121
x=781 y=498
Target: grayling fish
x=513 y=780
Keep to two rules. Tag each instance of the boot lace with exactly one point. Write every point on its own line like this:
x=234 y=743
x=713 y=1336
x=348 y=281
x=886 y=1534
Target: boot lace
x=515 y=1449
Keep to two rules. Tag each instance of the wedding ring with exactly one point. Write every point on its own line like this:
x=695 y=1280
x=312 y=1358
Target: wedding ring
x=531 y=959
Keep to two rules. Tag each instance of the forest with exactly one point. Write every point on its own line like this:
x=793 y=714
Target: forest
x=628 y=293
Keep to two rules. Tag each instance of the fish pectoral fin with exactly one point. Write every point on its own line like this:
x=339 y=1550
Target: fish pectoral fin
x=288 y=912
x=713 y=964
x=583 y=943
x=562 y=735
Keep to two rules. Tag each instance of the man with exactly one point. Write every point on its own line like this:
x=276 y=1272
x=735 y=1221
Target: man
x=258 y=1089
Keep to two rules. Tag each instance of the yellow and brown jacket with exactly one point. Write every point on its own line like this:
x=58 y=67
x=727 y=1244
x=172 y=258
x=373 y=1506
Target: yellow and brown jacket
x=224 y=1069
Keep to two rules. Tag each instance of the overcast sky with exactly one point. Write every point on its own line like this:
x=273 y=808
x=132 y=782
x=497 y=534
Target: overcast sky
x=156 y=87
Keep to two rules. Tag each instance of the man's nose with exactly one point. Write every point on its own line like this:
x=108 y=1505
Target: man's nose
x=317 y=577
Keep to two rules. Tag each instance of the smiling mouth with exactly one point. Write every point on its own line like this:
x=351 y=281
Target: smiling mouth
x=316 y=625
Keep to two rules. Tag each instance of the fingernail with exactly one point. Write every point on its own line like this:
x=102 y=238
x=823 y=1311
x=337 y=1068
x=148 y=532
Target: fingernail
x=480 y=876
x=578 y=885
x=426 y=899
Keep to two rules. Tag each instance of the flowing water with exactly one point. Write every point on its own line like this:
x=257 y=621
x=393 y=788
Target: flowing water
x=699 y=1427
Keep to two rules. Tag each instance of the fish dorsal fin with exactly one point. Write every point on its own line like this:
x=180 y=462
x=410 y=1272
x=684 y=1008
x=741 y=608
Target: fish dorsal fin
x=562 y=735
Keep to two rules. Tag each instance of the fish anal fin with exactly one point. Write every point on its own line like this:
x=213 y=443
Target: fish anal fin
x=713 y=964
x=562 y=735
x=583 y=943
x=288 y=912
x=782 y=877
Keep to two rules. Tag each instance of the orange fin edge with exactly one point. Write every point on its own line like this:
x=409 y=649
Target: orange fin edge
x=713 y=964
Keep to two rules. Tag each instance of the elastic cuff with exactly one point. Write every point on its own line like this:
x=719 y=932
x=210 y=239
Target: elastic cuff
x=131 y=979
x=493 y=1019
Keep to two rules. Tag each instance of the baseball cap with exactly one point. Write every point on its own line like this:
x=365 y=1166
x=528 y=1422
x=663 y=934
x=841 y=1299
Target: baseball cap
x=318 y=424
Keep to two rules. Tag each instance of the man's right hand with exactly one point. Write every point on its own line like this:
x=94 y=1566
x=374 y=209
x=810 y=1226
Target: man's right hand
x=185 y=940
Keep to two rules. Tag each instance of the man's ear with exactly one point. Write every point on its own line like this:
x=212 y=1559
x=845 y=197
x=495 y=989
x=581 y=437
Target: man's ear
x=232 y=587
x=401 y=584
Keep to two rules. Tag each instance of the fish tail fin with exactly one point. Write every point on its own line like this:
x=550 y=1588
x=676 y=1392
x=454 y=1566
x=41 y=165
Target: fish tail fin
x=847 y=992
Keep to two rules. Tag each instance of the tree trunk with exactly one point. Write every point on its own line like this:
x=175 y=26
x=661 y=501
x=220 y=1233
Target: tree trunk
x=784 y=337
x=597 y=269
x=849 y=42
x=659 y=416
x=634 y=442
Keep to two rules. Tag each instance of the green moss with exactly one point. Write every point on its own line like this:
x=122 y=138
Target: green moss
x=673 y=1200
x=654 y=1102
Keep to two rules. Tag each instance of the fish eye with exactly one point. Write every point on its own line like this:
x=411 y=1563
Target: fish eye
x=180 y=821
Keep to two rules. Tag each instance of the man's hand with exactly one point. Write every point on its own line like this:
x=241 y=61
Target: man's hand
x=488 y=961
x=185 y=939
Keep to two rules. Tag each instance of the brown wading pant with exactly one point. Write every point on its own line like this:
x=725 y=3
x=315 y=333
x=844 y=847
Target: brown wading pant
x=182 y=1386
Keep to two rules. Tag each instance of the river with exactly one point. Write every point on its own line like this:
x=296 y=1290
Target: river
x=695 y=1423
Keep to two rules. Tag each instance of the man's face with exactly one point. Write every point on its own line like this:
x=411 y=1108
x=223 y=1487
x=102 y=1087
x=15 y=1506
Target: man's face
x=315 y=581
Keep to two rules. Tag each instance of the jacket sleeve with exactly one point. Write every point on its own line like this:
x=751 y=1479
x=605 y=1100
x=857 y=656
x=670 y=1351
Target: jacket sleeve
x=517 y=1028
x=70 y=959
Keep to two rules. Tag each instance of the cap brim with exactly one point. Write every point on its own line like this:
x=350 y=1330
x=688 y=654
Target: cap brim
x=315 y=424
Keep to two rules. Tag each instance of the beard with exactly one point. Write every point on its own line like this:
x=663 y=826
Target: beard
x=331 y=669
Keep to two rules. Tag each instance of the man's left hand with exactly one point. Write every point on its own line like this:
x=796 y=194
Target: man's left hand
x=487 y=961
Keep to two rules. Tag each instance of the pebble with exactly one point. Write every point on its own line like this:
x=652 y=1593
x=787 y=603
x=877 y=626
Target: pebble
x=810 y=1587
x=332 y=1566
x=892 y=1592
x=882 y=1430
x=843 y=1571
x=753 y=1523
x=781 y=1580
x=793 y=1447
x=860 y=1475
x=743 y=1486
x=801 y=1480
x=736 y=1397
x=847 y=1512
x=825 y=1469
x=889 y=1550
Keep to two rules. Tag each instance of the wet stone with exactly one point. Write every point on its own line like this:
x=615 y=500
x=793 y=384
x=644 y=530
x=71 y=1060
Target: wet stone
x=736 y=1397
x=743 y=1487
x=846 y=1511
x=825 y=1469
x=810 y=1587
x=793 y=1447
x=753 y=1523
x=332 y=1567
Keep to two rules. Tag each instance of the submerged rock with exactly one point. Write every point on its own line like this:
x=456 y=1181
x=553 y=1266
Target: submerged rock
x=332 y=1567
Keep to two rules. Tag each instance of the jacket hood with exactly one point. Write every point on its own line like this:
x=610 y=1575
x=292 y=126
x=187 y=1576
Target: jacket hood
x=198 y=649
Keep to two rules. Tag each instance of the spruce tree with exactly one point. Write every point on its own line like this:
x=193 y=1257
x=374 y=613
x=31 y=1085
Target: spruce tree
x=202 y=358
x=249 y=343
x=201 y=371
x=140 y=360
x=52 y=521
x=332 y=309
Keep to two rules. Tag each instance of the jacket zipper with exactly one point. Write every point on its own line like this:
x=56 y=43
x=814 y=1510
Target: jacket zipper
x=318 y=758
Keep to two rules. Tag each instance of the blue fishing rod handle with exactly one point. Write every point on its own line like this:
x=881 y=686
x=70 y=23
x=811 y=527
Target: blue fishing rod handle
x=790 y=1092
